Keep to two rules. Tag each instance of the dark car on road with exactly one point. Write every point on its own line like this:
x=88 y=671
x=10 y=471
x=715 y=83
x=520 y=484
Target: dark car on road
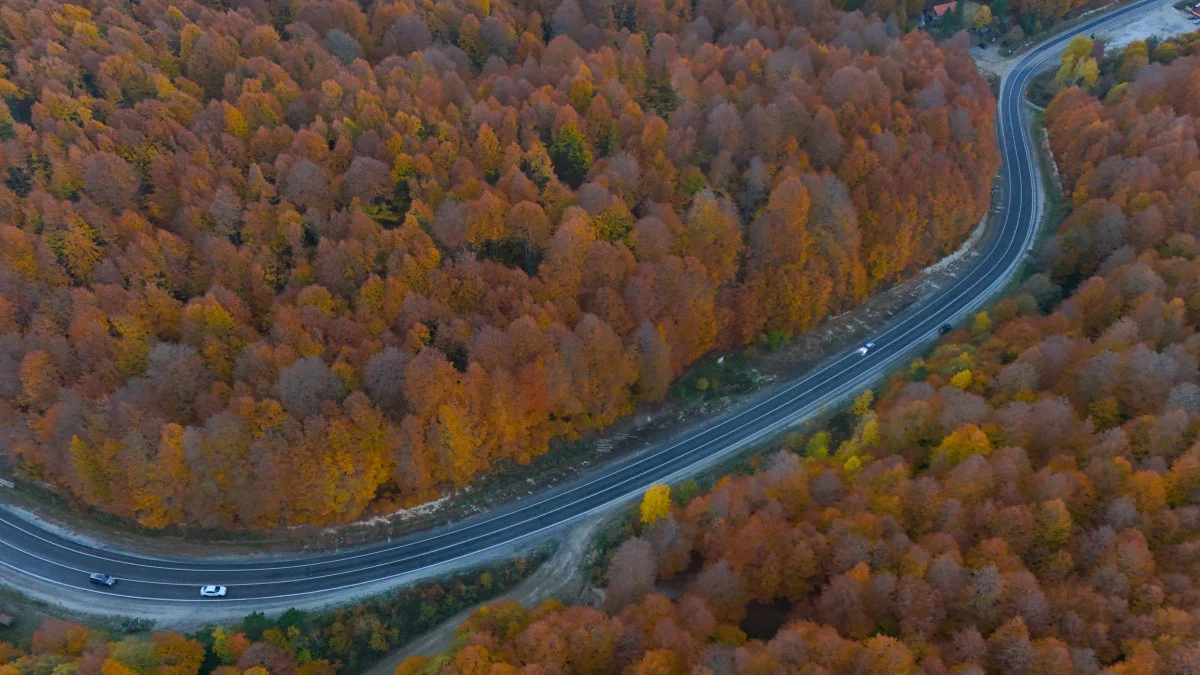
x=946 y=328
x=102 y=579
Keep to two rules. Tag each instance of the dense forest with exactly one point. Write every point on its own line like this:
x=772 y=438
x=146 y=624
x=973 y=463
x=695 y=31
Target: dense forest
x=66 y=647
x=276 y=262
x=62 y=646
x=1025 y=499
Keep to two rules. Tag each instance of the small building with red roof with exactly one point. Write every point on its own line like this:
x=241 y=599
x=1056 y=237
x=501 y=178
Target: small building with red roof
x=940 y=10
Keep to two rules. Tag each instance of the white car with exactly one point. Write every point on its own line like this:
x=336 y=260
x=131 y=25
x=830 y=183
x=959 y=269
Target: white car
x=102 y=579
x=212 y=591
x=862 y=351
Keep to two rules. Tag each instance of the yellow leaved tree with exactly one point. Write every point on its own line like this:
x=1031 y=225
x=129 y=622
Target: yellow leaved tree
x=656 y=504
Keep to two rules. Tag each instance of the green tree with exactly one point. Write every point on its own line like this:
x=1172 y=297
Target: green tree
x=1164 y=53
x=1014 y=36
x=571 y=155
x=255 y=624
x=223 y=645
x=818 y=445
x=686 y=490
x=136 y=653
x=1053 y=524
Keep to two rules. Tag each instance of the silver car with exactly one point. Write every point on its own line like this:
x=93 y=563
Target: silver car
x=212 y=591
x=102 y=579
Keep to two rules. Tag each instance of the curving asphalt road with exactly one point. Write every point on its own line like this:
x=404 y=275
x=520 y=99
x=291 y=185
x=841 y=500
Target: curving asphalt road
x=64 y=564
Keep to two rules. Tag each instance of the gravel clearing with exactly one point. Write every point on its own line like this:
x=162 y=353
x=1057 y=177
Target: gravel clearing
x=1162 y=22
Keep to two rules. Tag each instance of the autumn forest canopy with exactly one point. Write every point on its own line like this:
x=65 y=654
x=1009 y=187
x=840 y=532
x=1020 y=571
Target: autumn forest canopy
x=1023 y=500
x=280 y=262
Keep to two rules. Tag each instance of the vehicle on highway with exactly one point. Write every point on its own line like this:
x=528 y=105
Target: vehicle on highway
x=213 y=591
x=862 y=351
x=102 y=579
x=946 y=328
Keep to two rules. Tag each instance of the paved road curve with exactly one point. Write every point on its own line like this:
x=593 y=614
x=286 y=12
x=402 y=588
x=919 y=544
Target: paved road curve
x=65 y=564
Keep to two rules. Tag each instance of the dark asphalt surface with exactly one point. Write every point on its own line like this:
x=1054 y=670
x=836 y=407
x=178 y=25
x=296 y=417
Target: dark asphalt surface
x=63 y=563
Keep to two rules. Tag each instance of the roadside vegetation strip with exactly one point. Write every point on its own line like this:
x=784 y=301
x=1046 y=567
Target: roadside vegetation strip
x=335 y=634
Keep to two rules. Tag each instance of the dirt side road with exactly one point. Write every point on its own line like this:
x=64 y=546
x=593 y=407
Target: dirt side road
x=559 y=578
